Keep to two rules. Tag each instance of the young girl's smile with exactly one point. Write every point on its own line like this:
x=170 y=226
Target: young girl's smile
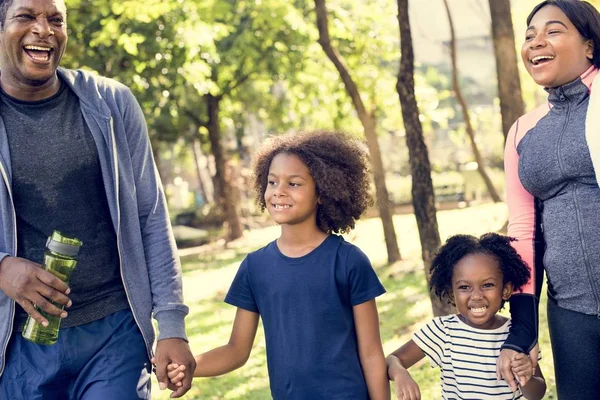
x=290 y=195
x=478 y=290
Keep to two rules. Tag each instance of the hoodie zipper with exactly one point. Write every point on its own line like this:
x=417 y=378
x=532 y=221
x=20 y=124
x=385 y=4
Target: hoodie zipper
x=12 y=311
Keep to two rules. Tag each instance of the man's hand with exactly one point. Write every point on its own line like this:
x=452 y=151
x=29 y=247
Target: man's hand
x=28 y=284
x=174 y=351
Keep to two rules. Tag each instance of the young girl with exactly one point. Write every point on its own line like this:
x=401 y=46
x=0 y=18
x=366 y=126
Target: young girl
x=314 y=291
x=477 y=276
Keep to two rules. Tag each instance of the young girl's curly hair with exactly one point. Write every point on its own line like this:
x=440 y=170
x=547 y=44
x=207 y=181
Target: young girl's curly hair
x=338 y=164
x=514 y=269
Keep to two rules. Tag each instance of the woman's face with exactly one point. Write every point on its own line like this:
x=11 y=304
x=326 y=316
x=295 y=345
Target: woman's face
x=554 y=53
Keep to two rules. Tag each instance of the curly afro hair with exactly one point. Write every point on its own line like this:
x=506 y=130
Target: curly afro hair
x=339 y=165
x=514 y=270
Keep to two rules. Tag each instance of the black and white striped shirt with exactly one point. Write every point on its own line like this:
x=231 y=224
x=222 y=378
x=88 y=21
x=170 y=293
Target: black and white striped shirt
x=467 y=358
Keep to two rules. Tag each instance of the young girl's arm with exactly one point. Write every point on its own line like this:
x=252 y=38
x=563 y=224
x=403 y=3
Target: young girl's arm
x=226 y=358
x=397 y=367
x=372 y=360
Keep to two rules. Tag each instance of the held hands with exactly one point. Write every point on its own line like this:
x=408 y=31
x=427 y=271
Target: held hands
x=176 y=373
x=512 y=364
x=28 y=284
x=522 y=368
x=174 y=351
x=406 y=387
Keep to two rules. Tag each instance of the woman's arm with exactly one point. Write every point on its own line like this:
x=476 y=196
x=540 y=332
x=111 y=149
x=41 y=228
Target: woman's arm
x=397 y=366
x=234 y=354
x=522 y=226
x=370 y=351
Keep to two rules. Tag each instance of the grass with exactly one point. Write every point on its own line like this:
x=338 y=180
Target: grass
x=402 y=309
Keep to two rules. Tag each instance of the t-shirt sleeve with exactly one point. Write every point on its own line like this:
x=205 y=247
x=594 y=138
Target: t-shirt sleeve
x=363 y=281
x=432 y=340
x=240 y=293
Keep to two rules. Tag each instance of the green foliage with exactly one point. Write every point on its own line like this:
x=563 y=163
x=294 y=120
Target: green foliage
x=403 y=309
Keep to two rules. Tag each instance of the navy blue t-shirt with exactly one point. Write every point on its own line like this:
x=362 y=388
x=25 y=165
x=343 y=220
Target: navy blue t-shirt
x=306 y=307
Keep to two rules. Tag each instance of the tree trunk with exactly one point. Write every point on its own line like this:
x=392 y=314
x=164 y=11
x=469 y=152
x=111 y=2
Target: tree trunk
x=509 y=84
x=368 y=122
x=423 y=197
x=197 y=155
x=224 y=192
x=465 y=109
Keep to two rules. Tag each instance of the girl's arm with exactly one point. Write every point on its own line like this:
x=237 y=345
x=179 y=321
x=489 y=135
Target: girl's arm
x=397 y=367
x=370 y=351
x=536 y=387
x=234 y=354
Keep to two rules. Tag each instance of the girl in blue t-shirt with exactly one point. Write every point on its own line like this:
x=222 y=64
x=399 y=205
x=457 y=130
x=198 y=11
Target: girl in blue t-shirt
x=477 y=275
x=314 y=291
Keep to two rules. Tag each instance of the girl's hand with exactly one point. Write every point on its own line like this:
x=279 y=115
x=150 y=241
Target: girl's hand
x=176 y=373
x=522 y=368
x=406 y=387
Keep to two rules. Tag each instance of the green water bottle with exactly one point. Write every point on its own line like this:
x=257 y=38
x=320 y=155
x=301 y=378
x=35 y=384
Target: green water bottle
x=60 y=260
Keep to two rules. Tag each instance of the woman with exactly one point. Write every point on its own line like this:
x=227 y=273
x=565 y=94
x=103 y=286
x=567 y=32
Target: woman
x=552 y=163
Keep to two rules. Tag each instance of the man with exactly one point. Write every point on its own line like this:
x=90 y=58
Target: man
x=75 y=157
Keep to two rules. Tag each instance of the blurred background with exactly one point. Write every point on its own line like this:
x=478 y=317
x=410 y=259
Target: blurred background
x=216 y=77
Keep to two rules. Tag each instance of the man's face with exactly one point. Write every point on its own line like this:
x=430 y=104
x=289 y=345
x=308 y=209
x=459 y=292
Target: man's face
x=32 y=41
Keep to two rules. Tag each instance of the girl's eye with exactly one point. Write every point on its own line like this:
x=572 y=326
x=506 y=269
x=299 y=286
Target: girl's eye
x=488 y=285
x=294 y=184
x=529 y=37
x=463 y=287
x=270 y=183
x=553 y=31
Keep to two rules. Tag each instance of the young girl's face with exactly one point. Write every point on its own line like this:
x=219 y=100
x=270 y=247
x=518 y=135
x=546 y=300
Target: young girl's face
x=554 y=52
x=478 y=290
x=291 y=196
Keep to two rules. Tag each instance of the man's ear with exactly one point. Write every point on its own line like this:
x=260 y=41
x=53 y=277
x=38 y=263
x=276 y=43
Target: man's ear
x=507 y=291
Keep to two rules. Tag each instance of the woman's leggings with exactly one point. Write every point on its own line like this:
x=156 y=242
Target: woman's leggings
x=575 y=341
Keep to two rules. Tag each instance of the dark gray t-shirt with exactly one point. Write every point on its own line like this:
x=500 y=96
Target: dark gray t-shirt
x=57 y=185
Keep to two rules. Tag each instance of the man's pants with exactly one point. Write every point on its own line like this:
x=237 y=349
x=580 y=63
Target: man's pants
x=104 y=359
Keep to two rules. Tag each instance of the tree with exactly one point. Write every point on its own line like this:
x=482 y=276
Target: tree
x=368 y=121
x=465 y=109
x=509 y=84
x=423 y=197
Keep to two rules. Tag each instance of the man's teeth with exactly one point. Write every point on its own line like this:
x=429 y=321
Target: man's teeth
x=280 y=206
x=537 y=59
x=478 y=310
x=38 y=48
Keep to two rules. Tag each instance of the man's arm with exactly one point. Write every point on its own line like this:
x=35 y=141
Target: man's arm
x=164 y=269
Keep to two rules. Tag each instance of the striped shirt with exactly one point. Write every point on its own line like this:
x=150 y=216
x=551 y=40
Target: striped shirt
x=467 y=358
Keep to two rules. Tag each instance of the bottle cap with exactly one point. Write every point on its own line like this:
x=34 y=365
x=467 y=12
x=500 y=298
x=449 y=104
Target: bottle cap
x=62 y=248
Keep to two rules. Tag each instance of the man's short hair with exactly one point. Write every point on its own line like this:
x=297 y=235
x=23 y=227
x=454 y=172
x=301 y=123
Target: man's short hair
x=4 y=4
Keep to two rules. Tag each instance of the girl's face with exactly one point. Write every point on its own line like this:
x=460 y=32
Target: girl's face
x=478 y=290
x=554 y=52
x=291 y=196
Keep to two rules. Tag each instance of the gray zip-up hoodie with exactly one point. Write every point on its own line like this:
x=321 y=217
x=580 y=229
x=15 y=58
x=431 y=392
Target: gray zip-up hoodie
x=555 y=166
x=150 y=267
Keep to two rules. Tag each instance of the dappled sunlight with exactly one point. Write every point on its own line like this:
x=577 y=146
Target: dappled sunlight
x=402 y=310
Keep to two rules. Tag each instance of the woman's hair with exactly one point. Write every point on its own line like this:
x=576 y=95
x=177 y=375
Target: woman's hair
x=513 y=268
x=338 y=164
x=583 y=16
